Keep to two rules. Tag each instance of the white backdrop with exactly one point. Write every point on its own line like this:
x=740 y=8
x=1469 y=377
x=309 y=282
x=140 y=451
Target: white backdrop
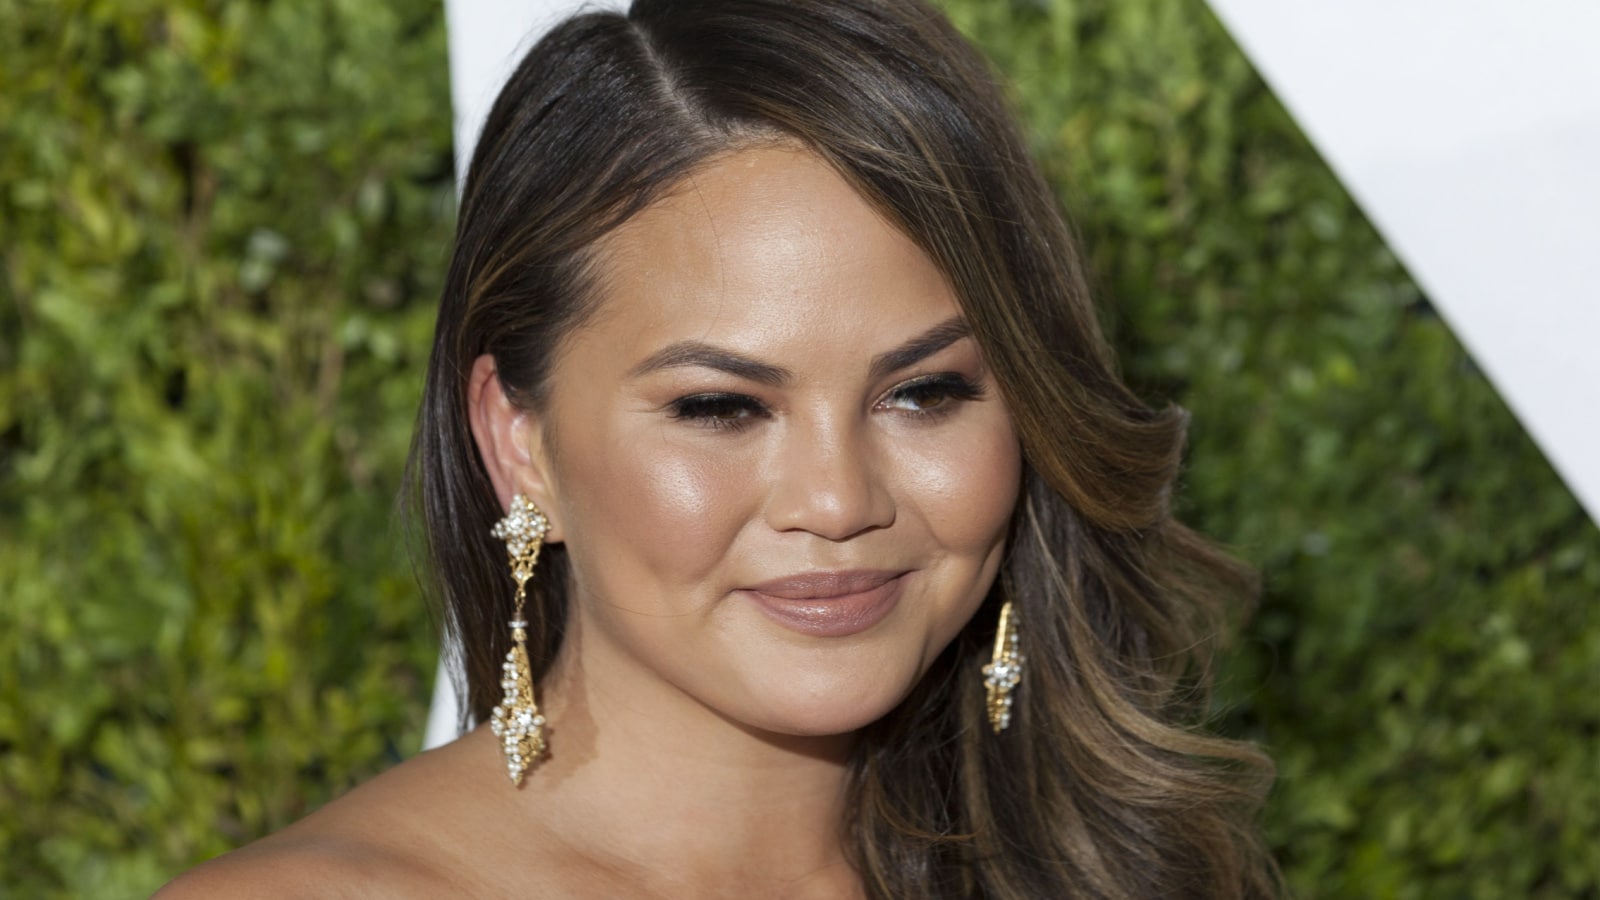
x=1468 y=130
x=487 y=39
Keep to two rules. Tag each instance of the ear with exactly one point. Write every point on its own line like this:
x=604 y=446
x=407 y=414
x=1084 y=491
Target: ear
x=511 y=443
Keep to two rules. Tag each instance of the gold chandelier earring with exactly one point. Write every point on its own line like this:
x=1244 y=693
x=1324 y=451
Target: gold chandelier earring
x=1004 y=672
x=516 y=721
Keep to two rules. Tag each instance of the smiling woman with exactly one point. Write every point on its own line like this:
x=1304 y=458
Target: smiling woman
x=771 y=339
x=772 y=430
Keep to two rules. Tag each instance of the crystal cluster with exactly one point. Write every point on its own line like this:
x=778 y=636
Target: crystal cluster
x=1001 y=678
x=516 y=721
x=523 y=528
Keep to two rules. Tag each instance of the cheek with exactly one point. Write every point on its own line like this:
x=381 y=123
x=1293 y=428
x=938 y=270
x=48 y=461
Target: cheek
x=965 y=485
x=651 y=507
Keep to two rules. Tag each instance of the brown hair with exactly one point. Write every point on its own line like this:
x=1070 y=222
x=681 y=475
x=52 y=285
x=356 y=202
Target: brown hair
x=1101 y=787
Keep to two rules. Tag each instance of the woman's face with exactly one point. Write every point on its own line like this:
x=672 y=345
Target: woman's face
x=781 y=469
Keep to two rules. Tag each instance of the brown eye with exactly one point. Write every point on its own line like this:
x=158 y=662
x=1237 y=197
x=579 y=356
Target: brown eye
x=932 y=394
x=926 y=400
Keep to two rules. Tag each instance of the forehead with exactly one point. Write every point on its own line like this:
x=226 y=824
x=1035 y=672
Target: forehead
x=762 y=247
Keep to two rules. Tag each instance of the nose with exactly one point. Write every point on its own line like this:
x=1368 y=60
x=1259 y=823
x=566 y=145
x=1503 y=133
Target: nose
x=829 y=483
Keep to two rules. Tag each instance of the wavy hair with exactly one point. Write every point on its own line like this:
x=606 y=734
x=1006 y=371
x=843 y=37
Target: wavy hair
x=1103 y=786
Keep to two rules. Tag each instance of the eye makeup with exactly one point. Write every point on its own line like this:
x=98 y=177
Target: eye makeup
x=719 y=411
x=925 y=397
x=932 y=395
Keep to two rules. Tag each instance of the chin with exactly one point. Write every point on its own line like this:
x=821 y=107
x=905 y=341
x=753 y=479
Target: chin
x=827 y=707
x=830 y=723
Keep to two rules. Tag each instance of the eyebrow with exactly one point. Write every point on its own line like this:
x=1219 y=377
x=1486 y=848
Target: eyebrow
x=686 y=354
x=920 y=347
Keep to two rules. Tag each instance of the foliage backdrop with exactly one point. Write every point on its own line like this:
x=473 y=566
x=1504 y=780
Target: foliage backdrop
x=223 y=226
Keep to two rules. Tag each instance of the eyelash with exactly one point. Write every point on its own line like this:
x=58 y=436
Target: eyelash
x=724 y=411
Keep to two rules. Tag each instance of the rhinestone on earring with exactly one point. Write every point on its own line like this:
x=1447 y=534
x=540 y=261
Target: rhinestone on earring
x=1004 y=672
x=516 y=721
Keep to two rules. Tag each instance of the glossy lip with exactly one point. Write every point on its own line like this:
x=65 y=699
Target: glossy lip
x=829 y=604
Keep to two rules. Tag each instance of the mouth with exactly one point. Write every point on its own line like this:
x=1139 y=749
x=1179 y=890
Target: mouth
x=829 y=604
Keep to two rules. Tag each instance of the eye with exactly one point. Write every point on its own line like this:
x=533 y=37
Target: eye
x=719 y=411
x=932 y=395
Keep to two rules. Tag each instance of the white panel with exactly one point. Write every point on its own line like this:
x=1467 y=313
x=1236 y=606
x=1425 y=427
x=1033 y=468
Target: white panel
x=442 y=713
x=487 y=39
x=1469 y=132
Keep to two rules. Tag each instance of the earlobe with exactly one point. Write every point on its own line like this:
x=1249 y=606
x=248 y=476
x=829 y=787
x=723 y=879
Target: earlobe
x=508 y=439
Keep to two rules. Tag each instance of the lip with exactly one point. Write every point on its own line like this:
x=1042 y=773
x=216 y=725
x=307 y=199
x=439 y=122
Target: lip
x=829 y=604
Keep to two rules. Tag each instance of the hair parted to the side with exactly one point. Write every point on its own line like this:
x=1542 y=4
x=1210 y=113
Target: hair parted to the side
x=1103 y=786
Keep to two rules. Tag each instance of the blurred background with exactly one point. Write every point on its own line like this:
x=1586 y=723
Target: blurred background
x=223 y=226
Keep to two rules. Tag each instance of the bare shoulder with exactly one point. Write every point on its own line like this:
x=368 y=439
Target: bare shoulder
x=311 y=865
x=412 y=831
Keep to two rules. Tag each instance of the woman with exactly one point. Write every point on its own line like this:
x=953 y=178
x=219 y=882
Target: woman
x=841 y=562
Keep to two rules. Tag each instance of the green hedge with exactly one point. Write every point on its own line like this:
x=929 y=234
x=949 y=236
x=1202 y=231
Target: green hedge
x=224 y=226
